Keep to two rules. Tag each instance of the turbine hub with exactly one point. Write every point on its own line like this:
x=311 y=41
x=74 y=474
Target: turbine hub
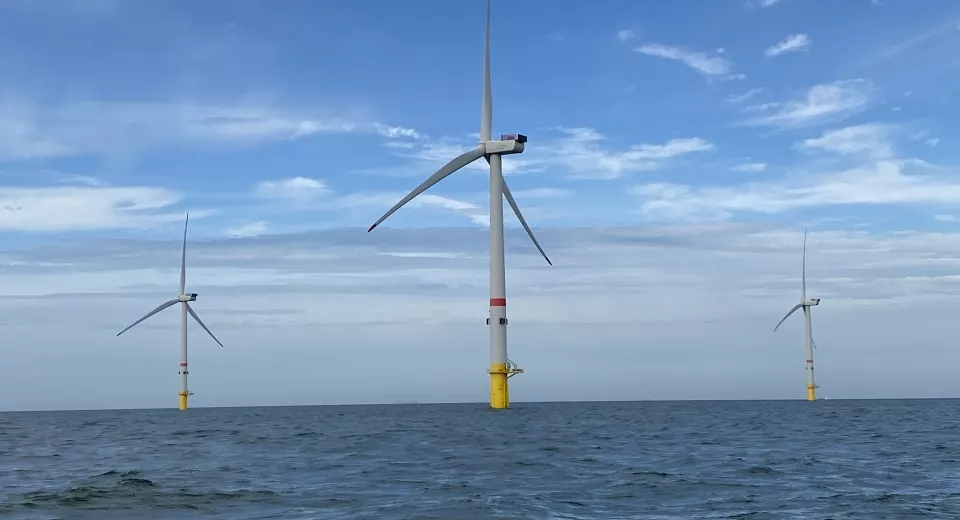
x=192 y=297
x=508 y=144
x=812 y=301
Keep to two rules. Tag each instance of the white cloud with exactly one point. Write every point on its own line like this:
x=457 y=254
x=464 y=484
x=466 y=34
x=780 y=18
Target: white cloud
x=475 y=213
x=950 y=27
x=400 y=145
x=86 y=180
x=740 y=98
x=86 y=208
x=753 y=167
x=945 y=217
x=294 y=188
x=767 y=3
x=733 y=77
x=933 y=141
x=821 y=103
x=394 y=132
x=870 y=139
x=625 y=35
x=699 y=61
x=251 y=229
x=31 y=131
x=792 y=43
x=582 y=154
x=881 y=183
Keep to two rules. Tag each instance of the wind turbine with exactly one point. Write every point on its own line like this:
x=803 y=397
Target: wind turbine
x=805 y=304
x=184 y=309
x=501 y=368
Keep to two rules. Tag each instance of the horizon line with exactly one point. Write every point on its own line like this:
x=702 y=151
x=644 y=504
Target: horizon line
x=449 y=403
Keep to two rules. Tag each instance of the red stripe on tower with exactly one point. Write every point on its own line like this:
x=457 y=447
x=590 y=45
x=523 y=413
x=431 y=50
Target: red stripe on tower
x=810 y=361
x=498 y=302
x=183 y=364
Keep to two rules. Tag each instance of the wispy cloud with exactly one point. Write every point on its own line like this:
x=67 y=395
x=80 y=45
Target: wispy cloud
x=72 y=178
x=881 y=183
x=949 y=28
x=625 y=34
x=752 y=167
x=251 y=229
x=821 y=103
x=582 y=153
x=740 y=98
x=792 y=43
x=295 y=188
x=474 y=212
x=32 y=131
x=872 y=140
x=394 y=132
x=699 y=61
x=86 y=208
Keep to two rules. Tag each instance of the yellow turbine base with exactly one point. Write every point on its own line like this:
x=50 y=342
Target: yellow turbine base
x=499 y=391
x=183 y=400
x=811 y=393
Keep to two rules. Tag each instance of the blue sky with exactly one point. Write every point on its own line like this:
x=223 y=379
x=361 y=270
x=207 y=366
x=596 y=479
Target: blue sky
x=676 y=153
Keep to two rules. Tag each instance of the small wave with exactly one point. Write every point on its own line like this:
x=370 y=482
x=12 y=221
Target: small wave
x=650 y=474
x=124 y=490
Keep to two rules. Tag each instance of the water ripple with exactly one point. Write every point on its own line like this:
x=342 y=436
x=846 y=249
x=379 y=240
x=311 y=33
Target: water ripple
x=712 y=460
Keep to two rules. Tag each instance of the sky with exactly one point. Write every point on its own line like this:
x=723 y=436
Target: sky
x=676 y=153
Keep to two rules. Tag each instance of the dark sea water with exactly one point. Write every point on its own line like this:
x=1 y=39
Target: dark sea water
x=652 y=460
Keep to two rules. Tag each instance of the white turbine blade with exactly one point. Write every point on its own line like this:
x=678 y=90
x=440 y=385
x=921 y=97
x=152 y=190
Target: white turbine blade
x=183 y=257
x=452 y=166
x=814 y=342
x=803 y=290
x=194 y=314
x=523 y=222
x=151 y=313
x=486 y=107
x=793 y=310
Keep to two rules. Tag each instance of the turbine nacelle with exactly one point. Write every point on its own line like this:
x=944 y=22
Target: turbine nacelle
x=507 y=145
x=811 y=302
x=192 y=297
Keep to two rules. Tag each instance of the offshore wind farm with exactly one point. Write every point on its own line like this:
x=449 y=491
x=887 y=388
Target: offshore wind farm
x=282 y=229
x=679 y=155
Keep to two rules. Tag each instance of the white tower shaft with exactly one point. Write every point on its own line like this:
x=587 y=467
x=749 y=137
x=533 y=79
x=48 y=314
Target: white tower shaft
x=499 y=394
x=184 y=370
x=808 y=344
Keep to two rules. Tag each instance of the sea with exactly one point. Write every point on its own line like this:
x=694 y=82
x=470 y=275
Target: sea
x=832 y=459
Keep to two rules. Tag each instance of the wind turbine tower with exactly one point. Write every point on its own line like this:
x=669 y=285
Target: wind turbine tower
x=501 y=368
x=185 y=308
x=806 y=305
